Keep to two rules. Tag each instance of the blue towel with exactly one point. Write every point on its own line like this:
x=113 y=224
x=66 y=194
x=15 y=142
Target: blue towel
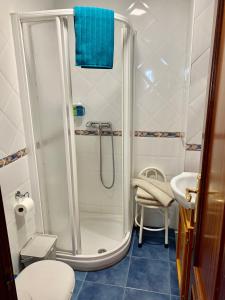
x=94 y=29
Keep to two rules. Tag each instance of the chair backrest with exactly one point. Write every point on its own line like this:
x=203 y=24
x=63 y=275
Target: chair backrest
x=155 y=173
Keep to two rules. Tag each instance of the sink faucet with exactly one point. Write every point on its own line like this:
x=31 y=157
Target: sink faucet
x=188 y=193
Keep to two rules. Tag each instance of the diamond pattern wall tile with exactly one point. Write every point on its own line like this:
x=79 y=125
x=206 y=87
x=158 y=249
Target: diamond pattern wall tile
x=7 y=133
x=13 y=110
x=5 y=89
x=8 y=65
x=3 y=41
x=202 y=32
x=18 y=142
x=199 y=73
x=201 y=5
x=140 y=10
x=199 y=76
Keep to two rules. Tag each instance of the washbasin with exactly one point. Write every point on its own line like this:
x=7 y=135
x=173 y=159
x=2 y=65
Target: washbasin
x=180 y=183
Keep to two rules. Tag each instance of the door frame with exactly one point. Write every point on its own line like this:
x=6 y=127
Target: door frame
x=207 y=149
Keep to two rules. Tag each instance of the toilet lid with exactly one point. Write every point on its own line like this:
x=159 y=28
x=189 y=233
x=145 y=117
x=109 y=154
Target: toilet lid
x=46 y=280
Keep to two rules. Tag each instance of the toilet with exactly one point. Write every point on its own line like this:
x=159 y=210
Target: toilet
x=46 y=280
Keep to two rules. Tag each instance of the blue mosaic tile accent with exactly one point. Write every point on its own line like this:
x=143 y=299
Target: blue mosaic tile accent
x=142 y=276
x=193 y=147
x=13 y=157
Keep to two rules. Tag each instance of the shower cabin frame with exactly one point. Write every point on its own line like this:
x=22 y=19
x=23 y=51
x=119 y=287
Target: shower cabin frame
x=60 y=17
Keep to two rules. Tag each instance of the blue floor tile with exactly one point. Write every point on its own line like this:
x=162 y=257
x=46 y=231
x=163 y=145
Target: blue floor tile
x=172 y=250
x=150 y=249
x=77 y=289
x=80 y=275
x=171 y=233
x=132 y=294
x=116 y=275
x=157 y=237
x=175 y=291
x=150 y=275
x=173 y=279
x=129 y=253
x=96 y=291
x=131 y=244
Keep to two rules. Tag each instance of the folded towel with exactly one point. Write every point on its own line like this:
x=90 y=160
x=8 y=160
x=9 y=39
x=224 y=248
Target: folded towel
x=162 y=185
x=142 y=194
x=161 y=191
x=94 y=29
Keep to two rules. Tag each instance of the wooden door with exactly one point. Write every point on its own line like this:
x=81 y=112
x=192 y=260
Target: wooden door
x=7 y=284
x=184 y=250
x=209 y=256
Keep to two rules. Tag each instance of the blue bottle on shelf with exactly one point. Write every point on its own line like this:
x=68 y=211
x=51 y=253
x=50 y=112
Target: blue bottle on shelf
x=78 y=110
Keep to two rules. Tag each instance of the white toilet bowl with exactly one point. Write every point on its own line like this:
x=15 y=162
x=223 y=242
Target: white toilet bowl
x=46 y=280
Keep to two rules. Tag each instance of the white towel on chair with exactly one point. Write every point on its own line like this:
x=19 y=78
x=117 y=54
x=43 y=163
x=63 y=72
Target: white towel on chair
x=161 y=191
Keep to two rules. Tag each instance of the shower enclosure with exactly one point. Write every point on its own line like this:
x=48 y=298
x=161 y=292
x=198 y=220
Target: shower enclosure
x=93 y=223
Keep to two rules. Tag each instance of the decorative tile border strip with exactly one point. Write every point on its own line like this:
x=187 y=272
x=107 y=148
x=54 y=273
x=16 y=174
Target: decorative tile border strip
x=157 y=134
x=193 y=147
x=96 y=132
x=13 y=157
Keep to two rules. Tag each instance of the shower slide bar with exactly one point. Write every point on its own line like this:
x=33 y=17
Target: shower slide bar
x=46 y=14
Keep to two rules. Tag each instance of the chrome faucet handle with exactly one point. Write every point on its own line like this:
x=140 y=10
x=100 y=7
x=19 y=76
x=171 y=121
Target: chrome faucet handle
x=98 y=125
x=188 y=193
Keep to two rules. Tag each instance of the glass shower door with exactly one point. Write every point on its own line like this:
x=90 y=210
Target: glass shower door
x=43 y=42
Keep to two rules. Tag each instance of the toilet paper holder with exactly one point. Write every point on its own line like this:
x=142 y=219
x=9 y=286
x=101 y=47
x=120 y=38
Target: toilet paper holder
x=19 y=195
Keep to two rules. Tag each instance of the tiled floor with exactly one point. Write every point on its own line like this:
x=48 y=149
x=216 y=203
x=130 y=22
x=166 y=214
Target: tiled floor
x=147 y=273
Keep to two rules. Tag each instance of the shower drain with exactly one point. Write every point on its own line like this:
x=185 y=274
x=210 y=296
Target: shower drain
x=101 y=250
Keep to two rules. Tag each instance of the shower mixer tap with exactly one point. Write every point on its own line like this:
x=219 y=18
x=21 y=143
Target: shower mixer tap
x=99 y=125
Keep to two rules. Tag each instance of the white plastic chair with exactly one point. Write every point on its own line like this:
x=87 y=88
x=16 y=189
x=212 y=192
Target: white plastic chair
x=150 y=203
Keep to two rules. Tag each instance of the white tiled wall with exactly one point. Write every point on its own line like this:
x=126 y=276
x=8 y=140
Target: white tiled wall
x=16 y=175
x=161 y=67
x=200 y=58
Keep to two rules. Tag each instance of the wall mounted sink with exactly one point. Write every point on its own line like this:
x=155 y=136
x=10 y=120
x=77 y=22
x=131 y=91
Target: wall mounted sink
x=179 y=184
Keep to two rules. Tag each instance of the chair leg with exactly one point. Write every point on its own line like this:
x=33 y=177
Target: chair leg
x=136 y=214
x=166 y=227
x=141 y=227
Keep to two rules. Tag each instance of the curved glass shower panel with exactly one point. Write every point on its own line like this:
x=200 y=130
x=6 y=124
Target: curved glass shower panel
x=101 y=209
x=45 y=88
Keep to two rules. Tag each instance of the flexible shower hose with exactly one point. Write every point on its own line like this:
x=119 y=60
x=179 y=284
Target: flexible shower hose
x=101 y=160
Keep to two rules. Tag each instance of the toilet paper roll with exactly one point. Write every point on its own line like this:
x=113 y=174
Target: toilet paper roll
x=24 y=207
